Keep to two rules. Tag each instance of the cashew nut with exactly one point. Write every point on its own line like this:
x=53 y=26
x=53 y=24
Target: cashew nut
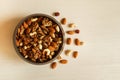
x=46 y=51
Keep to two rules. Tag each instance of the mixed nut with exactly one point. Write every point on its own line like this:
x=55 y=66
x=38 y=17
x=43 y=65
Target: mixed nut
x=75 y=54
x=39 y=39
x=68 y=41
x=63 y=61
x=67 y=52
x=53 y=65
x=63 y=21
x=56 y=14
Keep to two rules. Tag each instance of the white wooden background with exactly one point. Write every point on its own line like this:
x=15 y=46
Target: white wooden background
x=99 y=22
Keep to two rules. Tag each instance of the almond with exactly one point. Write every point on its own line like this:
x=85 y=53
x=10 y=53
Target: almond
x=33 y=50
x=63 y=21
x=70 y=32
x=51 y=48
x=53 y=65
x=68 y=41
x=77 y=42
x=63 y=61
x=56 y=13
x=52 y=30
x=53 y=44
x=29 y=22
x=77 y=31
x=25 y=25
x=67 y=52
x=75 y=54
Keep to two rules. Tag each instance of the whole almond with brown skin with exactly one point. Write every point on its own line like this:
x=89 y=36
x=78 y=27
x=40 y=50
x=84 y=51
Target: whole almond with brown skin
x=63 y=61
x=77 y=31
x=53 y=65
x=75 y=54
x=68 y=41
x=77 y=41
x=56 y=13
x=63 y=21
x=70 y=32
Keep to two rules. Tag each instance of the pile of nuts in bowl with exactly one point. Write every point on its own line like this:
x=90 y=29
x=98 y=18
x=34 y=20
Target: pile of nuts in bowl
x=39 y=39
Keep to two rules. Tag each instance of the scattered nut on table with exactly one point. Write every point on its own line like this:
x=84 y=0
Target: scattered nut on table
x=71 y=25
x=63 y=61
x=75 y=54
x=68 y=41
x=67 y=52
x=59 y=57
x=71 y=32
x=77 y=31
x=77 y=41
x=53 y=65
x=63 y=21
x=56 y=14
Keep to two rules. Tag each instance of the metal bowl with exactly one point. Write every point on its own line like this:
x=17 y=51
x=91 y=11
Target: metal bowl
x=39 y=15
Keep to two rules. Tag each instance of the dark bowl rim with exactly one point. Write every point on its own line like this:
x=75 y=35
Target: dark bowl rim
x=34 y=15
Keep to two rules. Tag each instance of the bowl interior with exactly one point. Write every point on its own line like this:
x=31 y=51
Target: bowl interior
x=39 y=15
